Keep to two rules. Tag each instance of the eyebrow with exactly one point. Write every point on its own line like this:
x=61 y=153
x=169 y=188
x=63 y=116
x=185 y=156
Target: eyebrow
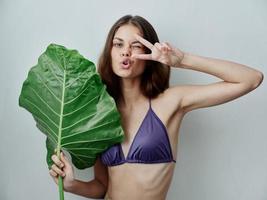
x=118 y=38
x=134 y=42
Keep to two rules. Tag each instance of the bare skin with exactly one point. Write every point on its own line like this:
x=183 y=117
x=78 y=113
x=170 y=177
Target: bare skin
x=144 y=181
x=151 y=181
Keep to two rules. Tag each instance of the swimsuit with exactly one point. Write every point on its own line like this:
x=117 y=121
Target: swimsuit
x=151 y=144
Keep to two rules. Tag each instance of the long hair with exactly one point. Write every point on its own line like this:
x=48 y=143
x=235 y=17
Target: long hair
x=155 y=78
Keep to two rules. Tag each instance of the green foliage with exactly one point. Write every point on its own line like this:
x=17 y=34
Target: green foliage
x=71 y=106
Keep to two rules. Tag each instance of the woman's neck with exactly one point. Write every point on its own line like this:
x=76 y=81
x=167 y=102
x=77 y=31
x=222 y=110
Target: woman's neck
x=130 y=93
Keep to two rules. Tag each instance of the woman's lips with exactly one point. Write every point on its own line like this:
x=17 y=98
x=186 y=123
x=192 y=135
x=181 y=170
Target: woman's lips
x=126 y=63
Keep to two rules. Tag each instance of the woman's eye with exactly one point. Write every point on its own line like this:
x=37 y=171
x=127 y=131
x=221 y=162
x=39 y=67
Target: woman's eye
x=137 y=47
x=117 y=44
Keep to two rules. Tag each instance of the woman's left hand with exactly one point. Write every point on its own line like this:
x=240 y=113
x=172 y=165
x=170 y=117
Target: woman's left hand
x=161 y=52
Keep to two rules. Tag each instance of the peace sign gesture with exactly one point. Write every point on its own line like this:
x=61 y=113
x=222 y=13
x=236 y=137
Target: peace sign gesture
x=161 y=52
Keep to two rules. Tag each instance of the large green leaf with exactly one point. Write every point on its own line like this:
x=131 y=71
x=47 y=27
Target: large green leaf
x=70 y=105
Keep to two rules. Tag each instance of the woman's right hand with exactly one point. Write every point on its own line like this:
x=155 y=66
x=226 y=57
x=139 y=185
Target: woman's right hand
x=62 y=167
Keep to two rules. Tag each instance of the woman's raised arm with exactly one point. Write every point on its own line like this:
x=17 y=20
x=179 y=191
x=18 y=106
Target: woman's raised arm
x=237 y=79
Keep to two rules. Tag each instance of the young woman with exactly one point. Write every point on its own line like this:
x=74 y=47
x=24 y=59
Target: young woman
x=135 y=66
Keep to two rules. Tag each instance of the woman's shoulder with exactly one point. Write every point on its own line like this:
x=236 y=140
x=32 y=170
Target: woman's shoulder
x=171 y=94
x=170 y=99
x=177 y=94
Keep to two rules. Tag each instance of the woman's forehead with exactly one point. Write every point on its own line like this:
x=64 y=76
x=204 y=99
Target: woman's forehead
x=127 y=32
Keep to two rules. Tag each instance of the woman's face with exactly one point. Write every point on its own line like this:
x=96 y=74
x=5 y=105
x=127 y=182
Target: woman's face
x=124 y=45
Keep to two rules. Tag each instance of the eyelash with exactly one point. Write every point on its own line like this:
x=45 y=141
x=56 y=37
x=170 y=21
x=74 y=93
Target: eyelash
x=117 y=44
x=139 y=47
x=120 y=45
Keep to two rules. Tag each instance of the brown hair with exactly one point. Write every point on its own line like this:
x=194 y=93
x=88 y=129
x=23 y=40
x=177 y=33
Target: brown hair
x=155 y=78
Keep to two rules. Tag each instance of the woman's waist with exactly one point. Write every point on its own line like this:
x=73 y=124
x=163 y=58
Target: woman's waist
x=122 y=193
x=139 y=181
x=141 y=172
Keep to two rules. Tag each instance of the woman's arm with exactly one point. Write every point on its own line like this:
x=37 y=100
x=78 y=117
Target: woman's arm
x=95 y=188
x=237 y=79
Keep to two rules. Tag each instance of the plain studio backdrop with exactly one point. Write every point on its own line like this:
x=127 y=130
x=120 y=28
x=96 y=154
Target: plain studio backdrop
x=222 y=151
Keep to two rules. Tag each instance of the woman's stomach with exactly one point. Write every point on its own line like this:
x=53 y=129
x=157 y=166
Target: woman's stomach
x=136 y=181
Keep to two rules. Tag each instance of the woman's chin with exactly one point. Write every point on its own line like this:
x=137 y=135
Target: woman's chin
x=124 y=75
x=125 y=67
x=123 y=72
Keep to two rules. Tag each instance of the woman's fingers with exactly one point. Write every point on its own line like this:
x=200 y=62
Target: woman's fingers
x=63 y=168
x=64 y=160
x=142 y=56
x=57 y=170
x=167 y=46
x=57 y=161
x=144 y=41
x=54 y=176
x=158 y=45
x=52 y=173
x=161 y=52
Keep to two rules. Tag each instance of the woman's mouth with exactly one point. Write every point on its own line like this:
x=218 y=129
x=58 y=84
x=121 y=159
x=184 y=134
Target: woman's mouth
x=126 y=63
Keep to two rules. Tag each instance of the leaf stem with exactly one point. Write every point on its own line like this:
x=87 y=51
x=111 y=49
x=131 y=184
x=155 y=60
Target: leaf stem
x=60 y=181
x=60 y=187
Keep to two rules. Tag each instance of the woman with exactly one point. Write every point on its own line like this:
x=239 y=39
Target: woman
x=135 y=67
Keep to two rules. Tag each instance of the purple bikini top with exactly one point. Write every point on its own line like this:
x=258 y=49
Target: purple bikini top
x=151 y=144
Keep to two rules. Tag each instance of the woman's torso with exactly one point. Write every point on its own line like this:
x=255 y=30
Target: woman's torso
x=139 y=180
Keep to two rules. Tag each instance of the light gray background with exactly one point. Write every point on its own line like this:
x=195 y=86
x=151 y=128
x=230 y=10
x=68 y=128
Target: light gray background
x=222 y=152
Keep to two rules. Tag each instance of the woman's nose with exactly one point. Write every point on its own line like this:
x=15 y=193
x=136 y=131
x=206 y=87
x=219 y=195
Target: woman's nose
x=125 y=54
x=126 y=51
